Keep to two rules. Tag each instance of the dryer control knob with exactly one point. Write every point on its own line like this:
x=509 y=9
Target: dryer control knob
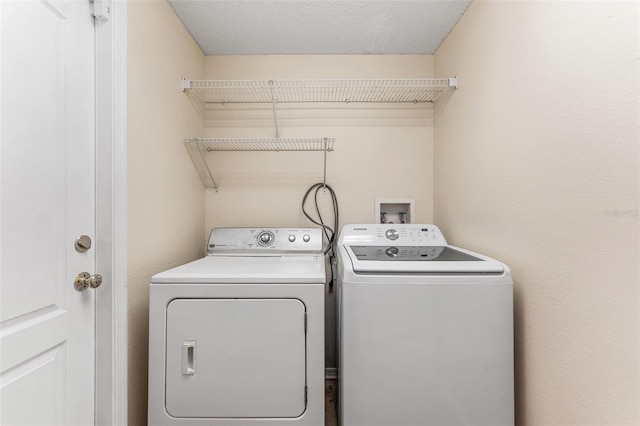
x=292 y=238
x=265 y=238
x=306 y=238
x=392 y=234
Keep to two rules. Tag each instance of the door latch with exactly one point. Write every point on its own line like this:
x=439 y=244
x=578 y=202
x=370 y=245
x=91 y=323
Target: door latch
x=85 y=280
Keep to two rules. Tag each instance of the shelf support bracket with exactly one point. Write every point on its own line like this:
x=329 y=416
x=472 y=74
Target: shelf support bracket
x=324 y=175
x=273 y=105
x=453 y=82
x=213 y=181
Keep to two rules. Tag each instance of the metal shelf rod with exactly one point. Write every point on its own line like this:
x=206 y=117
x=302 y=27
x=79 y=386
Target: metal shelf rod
x=273 y=106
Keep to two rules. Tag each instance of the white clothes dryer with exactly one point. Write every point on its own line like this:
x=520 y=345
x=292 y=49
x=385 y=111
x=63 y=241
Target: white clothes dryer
x=237 y=338
x=425 y=330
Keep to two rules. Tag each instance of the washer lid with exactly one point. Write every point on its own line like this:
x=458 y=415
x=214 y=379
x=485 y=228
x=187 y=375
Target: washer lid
x=247 y=270
x=420 y=259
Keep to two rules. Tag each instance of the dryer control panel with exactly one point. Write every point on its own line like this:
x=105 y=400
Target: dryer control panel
x=264 y=240
x=392 y=235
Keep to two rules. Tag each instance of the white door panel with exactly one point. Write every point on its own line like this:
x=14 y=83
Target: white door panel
x=247 y=358
x=47 y=189
x=33 y=163
x=41 y=378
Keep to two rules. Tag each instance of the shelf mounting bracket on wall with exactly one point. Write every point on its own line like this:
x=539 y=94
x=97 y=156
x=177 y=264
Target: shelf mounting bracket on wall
x=185 y=84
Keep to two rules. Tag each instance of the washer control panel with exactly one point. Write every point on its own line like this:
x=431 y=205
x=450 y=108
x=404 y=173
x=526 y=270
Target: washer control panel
x=392 y=235
x=265 y=240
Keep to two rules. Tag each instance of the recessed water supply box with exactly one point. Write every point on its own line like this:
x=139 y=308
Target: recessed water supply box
x=395 y=210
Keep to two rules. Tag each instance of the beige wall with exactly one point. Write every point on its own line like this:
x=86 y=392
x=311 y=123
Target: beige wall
x=165 y=195
x=536 y=163
x=380 y=151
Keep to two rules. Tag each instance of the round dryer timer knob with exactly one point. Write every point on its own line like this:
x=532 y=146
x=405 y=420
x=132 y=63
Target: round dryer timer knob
x=265 y=238
x=392 y=234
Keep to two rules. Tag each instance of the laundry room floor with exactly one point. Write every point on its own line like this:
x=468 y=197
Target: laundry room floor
x=331 y=402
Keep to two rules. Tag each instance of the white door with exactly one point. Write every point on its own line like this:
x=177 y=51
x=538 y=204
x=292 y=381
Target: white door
x=47 y=201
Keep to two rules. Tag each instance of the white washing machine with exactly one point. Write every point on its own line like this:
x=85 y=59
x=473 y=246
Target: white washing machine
x=237 y=338
x=425 y=330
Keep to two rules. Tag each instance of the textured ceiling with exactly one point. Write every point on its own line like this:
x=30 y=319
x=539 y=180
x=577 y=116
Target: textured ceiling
x=269 y=27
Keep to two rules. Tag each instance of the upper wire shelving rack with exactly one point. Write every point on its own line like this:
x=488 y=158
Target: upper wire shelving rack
x=425 y=90
x=292 y=91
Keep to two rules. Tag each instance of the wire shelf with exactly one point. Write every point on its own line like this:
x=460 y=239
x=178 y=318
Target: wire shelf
x=263 y=144
x=293 y=91
x=275 y=92
x=198 y=147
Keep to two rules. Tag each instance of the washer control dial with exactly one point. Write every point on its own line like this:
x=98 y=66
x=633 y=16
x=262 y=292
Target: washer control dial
x=292 y=238
x=392 y=251
x=306 y=238
x=265 y=238
x=392 y=234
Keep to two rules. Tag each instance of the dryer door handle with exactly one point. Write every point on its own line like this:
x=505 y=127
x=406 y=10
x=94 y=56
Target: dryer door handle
x=189 y=357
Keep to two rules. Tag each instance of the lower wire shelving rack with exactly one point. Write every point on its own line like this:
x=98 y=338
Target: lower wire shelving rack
x=200 y=147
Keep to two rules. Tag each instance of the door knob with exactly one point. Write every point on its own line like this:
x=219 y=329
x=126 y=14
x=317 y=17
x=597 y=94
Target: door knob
x=85 y=280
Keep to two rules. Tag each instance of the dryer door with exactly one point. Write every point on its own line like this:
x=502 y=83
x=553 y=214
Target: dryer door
x=235 y=358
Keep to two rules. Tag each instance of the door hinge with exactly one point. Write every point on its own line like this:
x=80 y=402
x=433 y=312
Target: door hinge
x=305 y=323
x=101 y=9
